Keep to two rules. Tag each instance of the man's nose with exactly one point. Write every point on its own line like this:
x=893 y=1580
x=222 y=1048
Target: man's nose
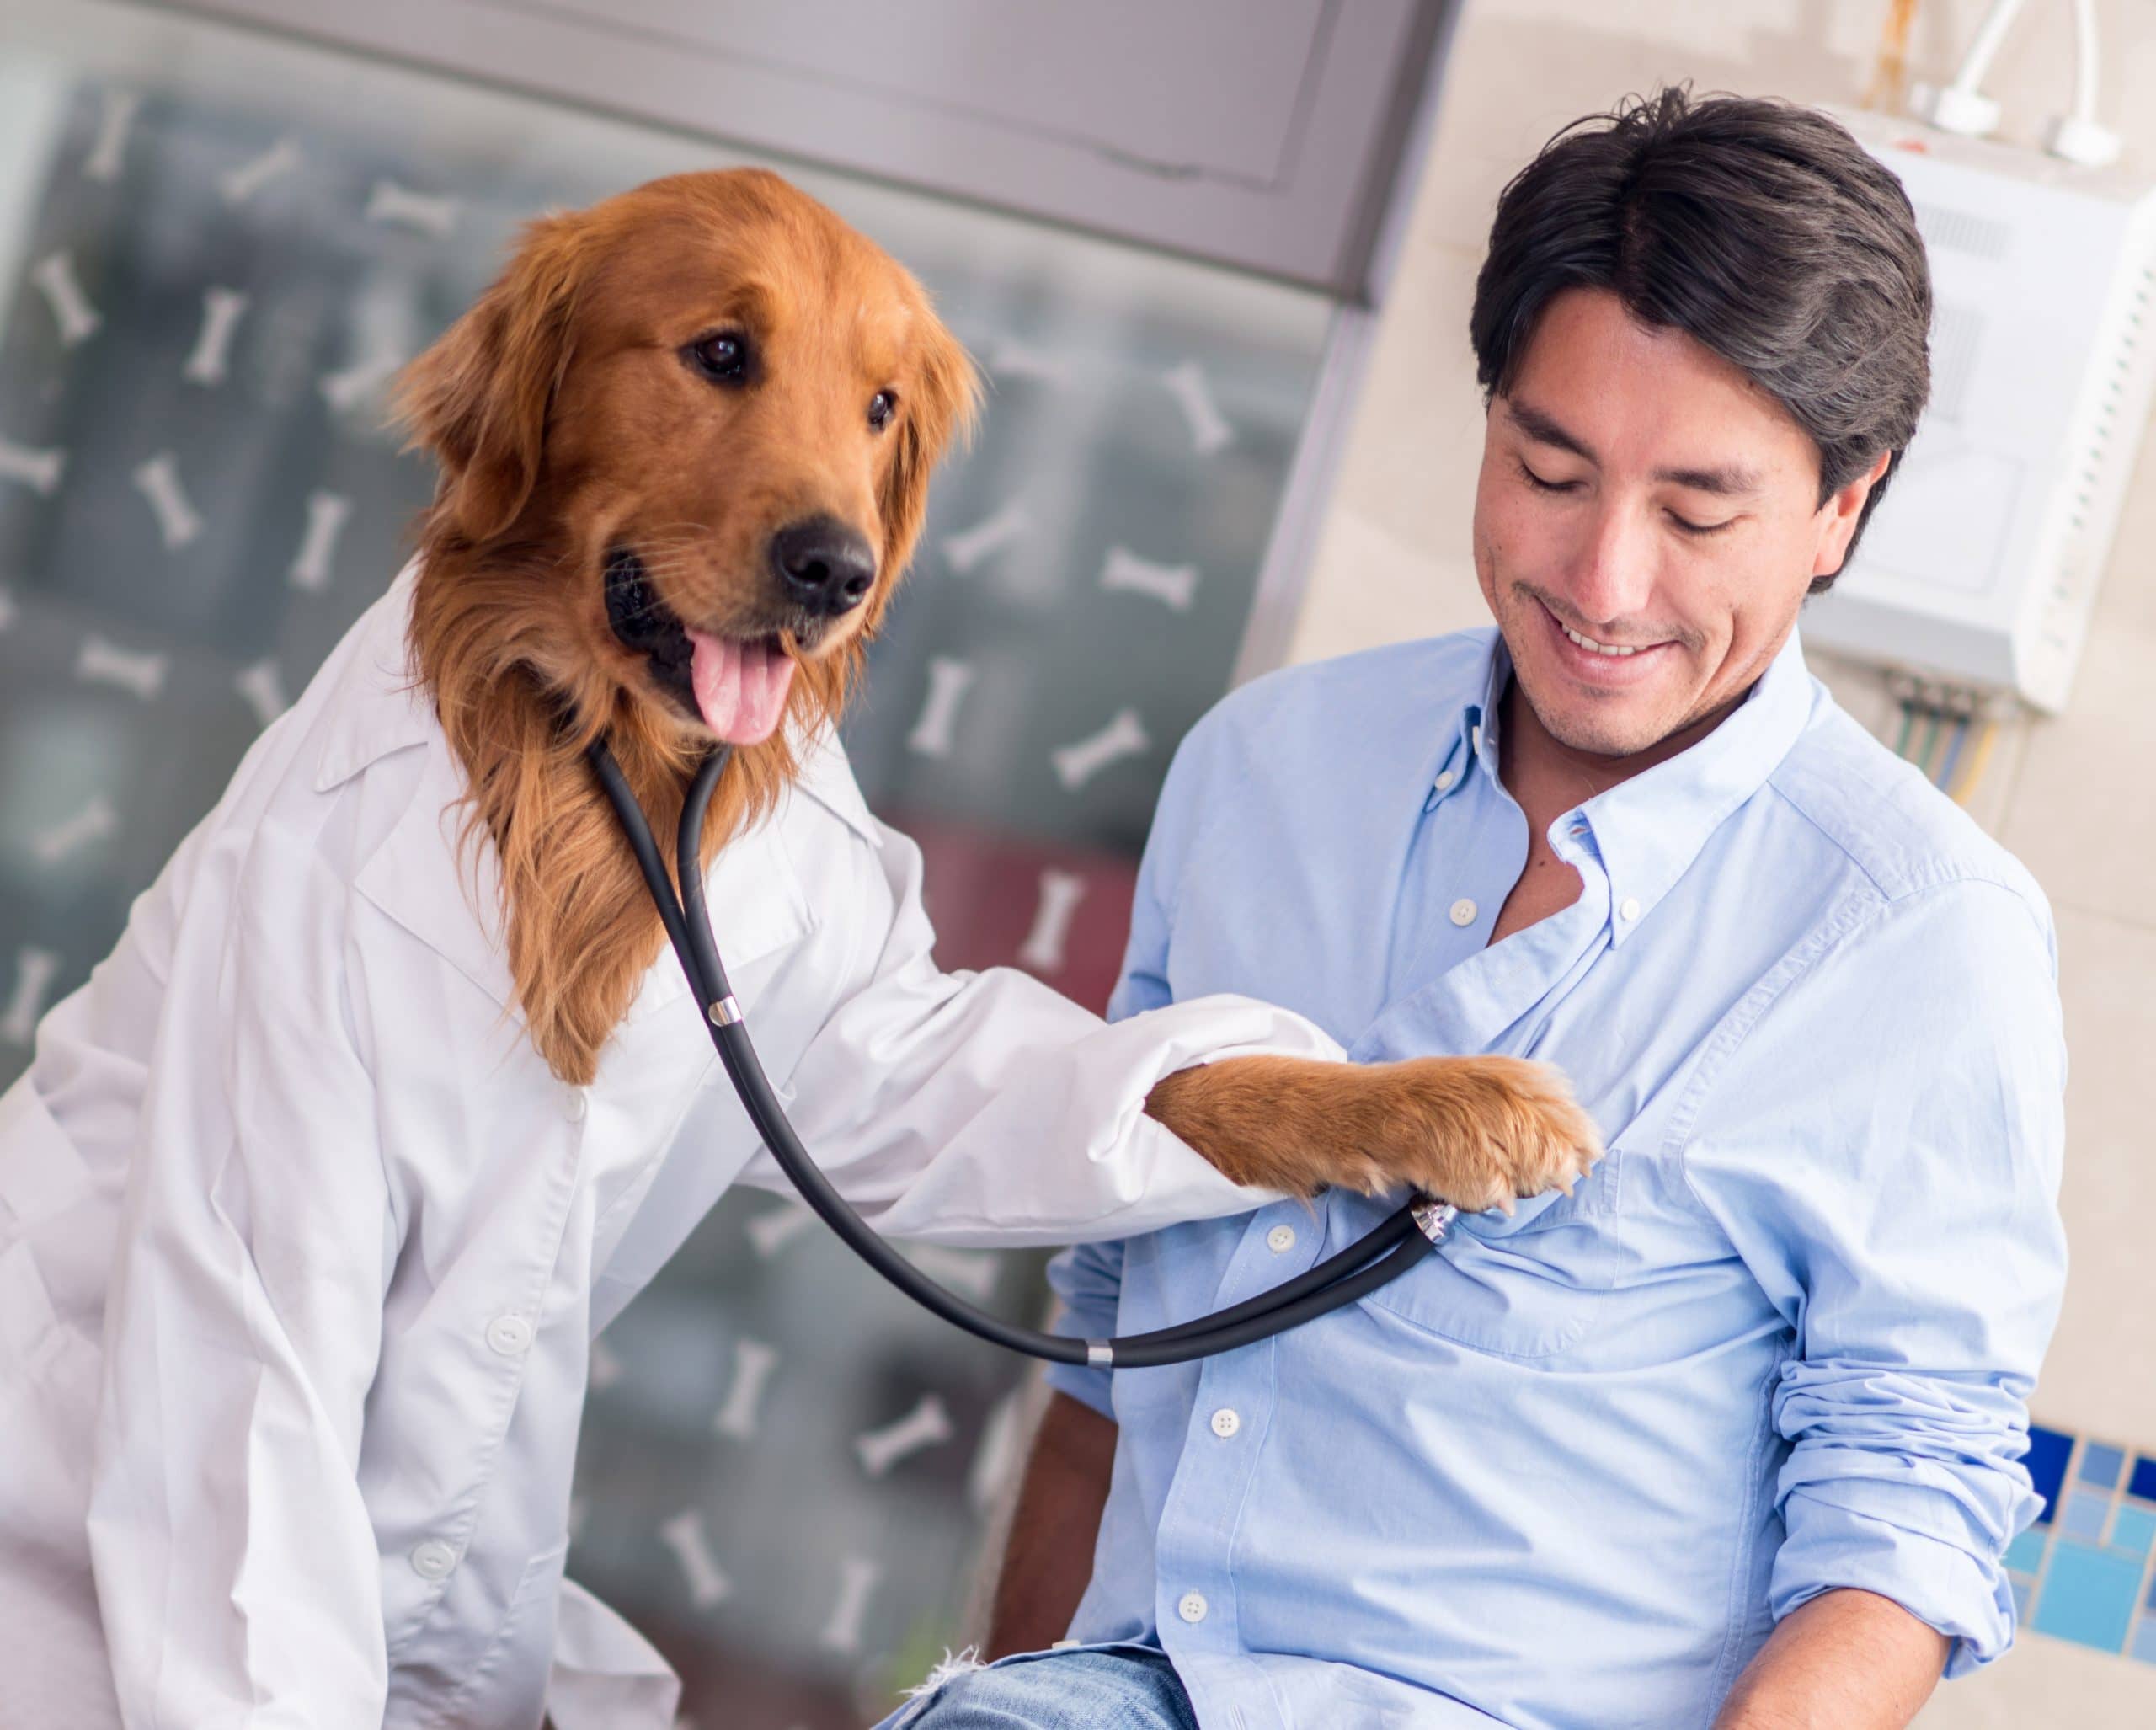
x=1613 y=575
x=823 y=566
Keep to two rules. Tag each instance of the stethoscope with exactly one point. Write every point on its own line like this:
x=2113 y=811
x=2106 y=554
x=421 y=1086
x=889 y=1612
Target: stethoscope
x=1380 y=1256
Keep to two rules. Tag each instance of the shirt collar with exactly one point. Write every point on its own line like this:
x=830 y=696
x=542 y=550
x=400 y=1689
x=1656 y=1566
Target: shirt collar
x=1646 y=832
x=1476 y=743
x=1649 y=829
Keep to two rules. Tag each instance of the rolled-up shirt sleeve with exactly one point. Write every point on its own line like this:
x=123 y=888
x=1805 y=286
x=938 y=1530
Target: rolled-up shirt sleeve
x=1883 y=1149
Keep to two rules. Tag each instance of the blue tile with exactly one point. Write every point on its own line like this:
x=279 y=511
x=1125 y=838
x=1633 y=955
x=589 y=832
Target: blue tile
x=2085 y=1513
x=2100 y=1465
x=2048 y=1452
x=2026 y=1554
x=2133 y=1529
x=2142 y=1483
x=2144 y=1640
x=2088 y=1596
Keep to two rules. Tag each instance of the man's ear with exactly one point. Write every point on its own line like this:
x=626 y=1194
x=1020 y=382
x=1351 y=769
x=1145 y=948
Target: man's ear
x=1839 y=515
x=943 y=402
x=477 y=399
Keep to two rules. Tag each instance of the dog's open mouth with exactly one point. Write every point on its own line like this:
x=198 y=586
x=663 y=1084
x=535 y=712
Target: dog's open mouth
x=738 y=688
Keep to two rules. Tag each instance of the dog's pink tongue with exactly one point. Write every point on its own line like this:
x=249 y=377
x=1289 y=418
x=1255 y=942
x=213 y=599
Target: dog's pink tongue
x=740 y=687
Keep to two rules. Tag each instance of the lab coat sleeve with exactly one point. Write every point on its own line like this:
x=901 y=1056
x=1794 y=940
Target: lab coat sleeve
x=1903 y=1216
x=988 y=1109
x=236 y=1567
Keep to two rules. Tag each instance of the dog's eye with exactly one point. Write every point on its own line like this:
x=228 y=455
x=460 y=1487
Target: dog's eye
x=880 y=407
x=724 y=356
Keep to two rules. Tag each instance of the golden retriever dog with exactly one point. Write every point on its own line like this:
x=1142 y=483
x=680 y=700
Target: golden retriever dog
x=685 y=446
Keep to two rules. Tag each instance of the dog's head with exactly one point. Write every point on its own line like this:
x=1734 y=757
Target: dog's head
x=699 y=420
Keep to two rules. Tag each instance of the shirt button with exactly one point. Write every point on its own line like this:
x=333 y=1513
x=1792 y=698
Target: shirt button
x=1280 y=1239
x=1445 y=779
x=1192 y=1607
x=573 y=1104
x=509 y=1334
x=1463 y=912
x=1225 y=1423
x=433 y=1559
x=1629 y=910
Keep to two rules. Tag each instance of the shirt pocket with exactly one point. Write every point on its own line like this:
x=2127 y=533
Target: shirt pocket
x=1527 y=1287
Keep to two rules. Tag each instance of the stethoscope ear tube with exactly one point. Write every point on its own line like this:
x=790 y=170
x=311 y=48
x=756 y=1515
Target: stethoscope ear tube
x=1382 y=1254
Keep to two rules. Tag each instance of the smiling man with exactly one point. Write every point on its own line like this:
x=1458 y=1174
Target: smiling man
x=1730 y=1435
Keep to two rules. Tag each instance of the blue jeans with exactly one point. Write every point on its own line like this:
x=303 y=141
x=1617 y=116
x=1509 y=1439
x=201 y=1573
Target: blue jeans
x=1059 y=1690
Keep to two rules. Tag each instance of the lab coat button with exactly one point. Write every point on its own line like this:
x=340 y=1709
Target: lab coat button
x=1463 y=912
x=1192 y=1608
x=1225 y=1423
x=1445 y=779
x=1280 y=1239
x=573 y=1104
x=509 y=1334
x=1629 y=910
x=433 y=1559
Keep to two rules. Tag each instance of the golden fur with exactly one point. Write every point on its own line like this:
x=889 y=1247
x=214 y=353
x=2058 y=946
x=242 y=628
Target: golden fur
x=567 y=422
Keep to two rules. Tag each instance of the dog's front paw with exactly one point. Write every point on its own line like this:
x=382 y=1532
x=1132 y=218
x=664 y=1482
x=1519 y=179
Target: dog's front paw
x=1478 y=1132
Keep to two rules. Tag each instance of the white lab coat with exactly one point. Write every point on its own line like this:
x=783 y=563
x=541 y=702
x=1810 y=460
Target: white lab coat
x=302 y=1248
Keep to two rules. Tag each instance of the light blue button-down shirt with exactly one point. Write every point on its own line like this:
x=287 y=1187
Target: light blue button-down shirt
x=1569 y=1470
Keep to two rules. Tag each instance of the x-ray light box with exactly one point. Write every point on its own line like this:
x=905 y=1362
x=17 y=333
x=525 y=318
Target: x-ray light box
x=1980 y=567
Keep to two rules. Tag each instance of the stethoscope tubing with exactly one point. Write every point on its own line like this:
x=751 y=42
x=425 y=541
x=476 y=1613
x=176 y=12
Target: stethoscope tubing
x=1380 y=1256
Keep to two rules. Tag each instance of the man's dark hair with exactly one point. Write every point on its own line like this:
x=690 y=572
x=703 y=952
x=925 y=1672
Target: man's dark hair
x=1760 y=229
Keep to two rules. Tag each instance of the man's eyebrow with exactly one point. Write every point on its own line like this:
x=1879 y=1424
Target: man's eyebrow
x=1731 y=480
x=1544 y=428
x=1728 y=480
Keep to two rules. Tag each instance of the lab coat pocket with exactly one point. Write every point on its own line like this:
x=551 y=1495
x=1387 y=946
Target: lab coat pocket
x=518 y=1652
x=1530 y=1287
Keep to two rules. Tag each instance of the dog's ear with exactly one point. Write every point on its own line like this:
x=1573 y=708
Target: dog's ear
x=943 y=401
x=478 y=398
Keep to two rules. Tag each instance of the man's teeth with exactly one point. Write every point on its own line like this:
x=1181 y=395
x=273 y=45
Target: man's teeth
x=1588 y=642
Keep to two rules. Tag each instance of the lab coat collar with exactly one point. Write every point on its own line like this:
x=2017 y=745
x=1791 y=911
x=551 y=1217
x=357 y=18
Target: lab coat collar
x=445 y=890
x=376 y=705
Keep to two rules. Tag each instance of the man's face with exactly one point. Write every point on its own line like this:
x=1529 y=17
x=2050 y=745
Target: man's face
x=1638 y=491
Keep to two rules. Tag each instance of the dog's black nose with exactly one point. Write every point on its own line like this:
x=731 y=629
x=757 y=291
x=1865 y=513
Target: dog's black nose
x=823 y=566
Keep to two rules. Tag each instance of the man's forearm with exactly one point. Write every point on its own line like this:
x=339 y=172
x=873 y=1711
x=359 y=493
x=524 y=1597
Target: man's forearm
x=1847 y=1659
x=1050 y=1556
